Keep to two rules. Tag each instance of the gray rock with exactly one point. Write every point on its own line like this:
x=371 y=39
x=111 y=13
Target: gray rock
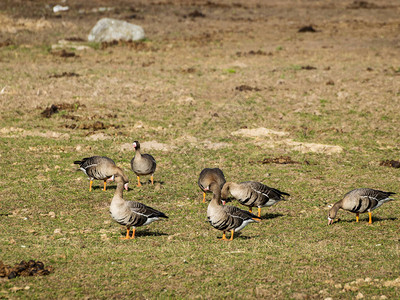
x=108 y=30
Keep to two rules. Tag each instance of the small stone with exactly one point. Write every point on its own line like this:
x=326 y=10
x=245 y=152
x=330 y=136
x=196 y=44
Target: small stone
x=359 y=296
x=57 y=231
x=52 y=214
x=338 y=286
x=78 y=148
x=383 y=297
x=109 y=30
x=368 y=279
x=329 y=298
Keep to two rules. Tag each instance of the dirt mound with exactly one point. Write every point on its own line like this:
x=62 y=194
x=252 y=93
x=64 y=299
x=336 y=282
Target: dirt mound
x=30 y=268
x=282 y=160
x=55 y=108
x=390 y=163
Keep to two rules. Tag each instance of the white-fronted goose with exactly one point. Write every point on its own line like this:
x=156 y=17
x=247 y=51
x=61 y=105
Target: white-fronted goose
x=253 y=194
x=224 y=217
x=100 y=168
x=209 y=175
x=360 y=201
x=131 y=214
x=142 y=164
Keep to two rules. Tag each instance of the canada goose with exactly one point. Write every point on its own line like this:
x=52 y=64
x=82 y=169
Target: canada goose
x=224 y=217
x=100 y=168
x=209 y=175
x=142 y=164
x=131 y=213
x=360 y=201
x=253 y=194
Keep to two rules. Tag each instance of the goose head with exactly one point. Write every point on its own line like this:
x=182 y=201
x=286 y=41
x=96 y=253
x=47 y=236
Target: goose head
x=136 y=145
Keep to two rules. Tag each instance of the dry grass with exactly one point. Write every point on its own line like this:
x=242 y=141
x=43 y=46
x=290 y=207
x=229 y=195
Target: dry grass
x=182 y=91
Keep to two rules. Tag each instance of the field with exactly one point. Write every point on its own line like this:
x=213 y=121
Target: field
x=233 y=85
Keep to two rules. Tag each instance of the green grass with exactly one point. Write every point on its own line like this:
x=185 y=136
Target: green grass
x=292 y=253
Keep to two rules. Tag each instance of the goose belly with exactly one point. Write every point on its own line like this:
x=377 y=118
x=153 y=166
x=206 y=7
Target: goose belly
x=363 y=205
x=245 y=197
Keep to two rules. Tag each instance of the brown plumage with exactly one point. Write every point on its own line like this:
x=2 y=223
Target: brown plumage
x=99 y=168
x=131 y=214
x=224 y=217
x=207 y=176
x=253 y=194
x=360 y=201
x=142 y=164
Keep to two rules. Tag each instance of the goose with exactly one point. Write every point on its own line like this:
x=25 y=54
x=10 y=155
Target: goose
x=225 y=217
x=209 y=175
x=131 y=214
x=253 y=194
x=142 y=164
x=100 y=168
x=360 y=201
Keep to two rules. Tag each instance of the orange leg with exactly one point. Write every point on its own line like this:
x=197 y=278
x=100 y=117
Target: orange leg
x=105 y=184
x=127 y=234
x=259 y=212
x=250 y=209
x=357 y=216
x=204 y=197
x=133 y=233
x=138 y=181
x=370 y=218
x=152 y=179
x=90 y=185
x=232 y=233
x=224 y=237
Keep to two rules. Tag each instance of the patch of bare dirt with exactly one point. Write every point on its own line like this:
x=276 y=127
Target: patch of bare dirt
x=154 y=145
x=259 y=132
x=30 y=268
x=13 y=132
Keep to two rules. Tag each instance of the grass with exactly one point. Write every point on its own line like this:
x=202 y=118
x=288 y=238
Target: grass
x=292 y=253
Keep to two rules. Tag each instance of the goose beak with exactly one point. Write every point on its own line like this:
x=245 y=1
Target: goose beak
x=330 y=221
x=126 y=186
x=111 y=178
x=223 y=202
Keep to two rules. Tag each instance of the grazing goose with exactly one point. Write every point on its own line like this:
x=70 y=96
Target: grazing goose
x=253 y=194
x=224 y=217
x=100 y=168
x=360 y=201
x=207 y=176
x=142 y=164
x=131 y=213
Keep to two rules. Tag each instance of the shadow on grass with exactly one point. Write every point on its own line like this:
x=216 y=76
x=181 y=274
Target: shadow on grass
x=144 y=232
x=365 y=220
x=271 y=216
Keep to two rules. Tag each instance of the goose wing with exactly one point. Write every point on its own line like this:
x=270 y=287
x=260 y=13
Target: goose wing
x=144 y=210
x=265 y=190
x=237 y=213
x=376 y=194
